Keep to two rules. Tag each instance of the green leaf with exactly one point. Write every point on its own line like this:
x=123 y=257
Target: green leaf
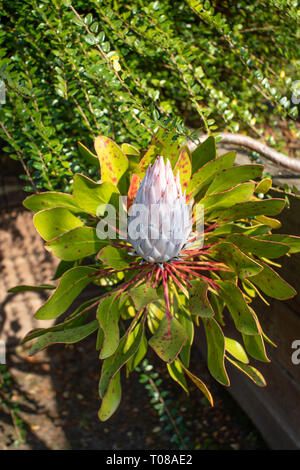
x=140 y=354
x=143 y=295
x=23 y=288
x=264 y=186
x=236 y=227
x=255 y=346
x=292 y=241
x=176 y=372
x=111 y=399
x=108 y=314
x=76 y=244
x=184 y=166
x=38 y=202
x=186 y=321
x=88 y=156
x=113 y=162
x=250 y=371
x=230 y=177
x=252 y=208
x=113 y=257
x=168 y=339
x=62 y=267
x=243 y=318
x=198 y=302
x=69 y=336
x=70 y=286
x=200 y=385
x=236 y=350
x=50 y=223
x=205 y=174
x=113 y=364
x=258 y=247
x=91 y=39
x=202 y=154
x=73 y=320
x=272 y=284
x=130 y=149
x=90 y=195
x=218 y=201
x=218 y=306
x=147 y=159
x=270 y=222
x=166 y=144
x=232 y=256
x=215 y=350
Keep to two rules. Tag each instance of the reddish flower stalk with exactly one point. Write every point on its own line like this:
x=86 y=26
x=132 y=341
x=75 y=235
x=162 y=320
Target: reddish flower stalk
x=177 y=282
x=166 y=295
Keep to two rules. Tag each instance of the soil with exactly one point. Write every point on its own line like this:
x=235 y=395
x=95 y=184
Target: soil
x=57 y=397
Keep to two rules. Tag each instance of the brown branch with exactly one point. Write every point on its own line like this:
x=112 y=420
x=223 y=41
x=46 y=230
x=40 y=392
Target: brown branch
x=253 y=144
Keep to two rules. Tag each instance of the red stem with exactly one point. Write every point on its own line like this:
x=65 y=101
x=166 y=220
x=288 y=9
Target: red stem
x=167 y=302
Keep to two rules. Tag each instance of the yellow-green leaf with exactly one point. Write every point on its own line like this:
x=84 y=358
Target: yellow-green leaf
x=113 y=162
x=51 y=223
x=184 y=166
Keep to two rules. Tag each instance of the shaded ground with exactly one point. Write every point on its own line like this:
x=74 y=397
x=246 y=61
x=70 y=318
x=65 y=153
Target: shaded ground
x=57 y=396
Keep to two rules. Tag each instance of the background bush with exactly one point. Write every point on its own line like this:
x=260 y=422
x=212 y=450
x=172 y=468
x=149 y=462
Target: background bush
x=75 y=69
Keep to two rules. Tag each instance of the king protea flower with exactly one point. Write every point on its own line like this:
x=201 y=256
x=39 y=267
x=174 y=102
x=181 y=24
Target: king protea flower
x=164 y=239
x=165 y=222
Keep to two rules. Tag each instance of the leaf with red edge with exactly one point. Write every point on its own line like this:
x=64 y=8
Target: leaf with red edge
x=184 y=166
x=244 y=320
x=198 y=302
x=201 y=385
x=215 y=350
x=247 y=209
x=167 y=145
x=168 y=339
x=250 y=371
x=207 y=172
x=272 y=284
x=88 y=156
x=68 y=336
x=255 y=346
x=205 y=152
x=111 y=399
x=232 y=256
x=133 y=188
x=113 y=364
x=113 y=162
x=147 y=159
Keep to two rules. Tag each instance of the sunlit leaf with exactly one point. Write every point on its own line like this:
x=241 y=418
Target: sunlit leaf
x=113 y=162
x=50 y=223
x=76 y=244
x=68 y=336
x=70 y=286
x=168 y=339
x=215 y=350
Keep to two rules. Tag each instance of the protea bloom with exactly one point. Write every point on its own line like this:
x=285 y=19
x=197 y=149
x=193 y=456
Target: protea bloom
x=163 y=238
x=165 y=222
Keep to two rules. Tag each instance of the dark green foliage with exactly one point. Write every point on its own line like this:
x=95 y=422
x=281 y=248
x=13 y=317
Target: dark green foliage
x=172 y=422
x=74 y=69
x=10 y=405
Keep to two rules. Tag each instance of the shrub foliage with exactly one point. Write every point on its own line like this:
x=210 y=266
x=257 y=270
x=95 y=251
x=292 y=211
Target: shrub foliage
x=74 y=69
